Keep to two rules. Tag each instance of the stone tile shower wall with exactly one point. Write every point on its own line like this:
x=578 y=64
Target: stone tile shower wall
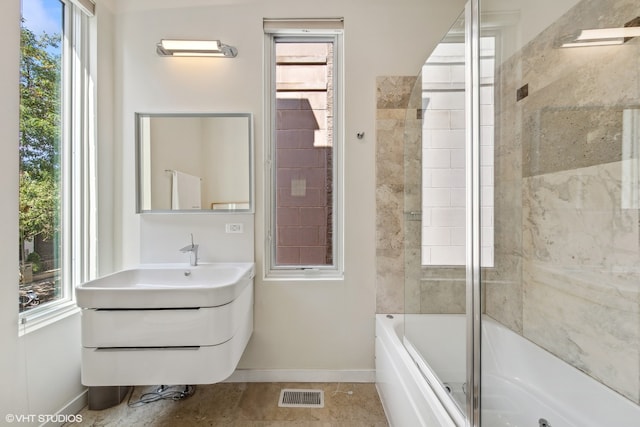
x=393 y=95
x=562 y=162
x=403 y=284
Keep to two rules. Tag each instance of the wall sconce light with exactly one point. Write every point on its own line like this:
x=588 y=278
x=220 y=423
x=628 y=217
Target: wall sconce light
x=606 y=36
x=195 y=48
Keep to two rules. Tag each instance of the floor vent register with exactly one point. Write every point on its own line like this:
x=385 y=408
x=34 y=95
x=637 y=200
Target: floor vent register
x=301 y=398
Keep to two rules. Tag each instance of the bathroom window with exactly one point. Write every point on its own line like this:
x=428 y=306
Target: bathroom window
x=56 y=167
x=305 y=149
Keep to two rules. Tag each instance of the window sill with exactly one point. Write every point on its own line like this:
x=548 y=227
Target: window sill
x=37 y=319
x=303 y=275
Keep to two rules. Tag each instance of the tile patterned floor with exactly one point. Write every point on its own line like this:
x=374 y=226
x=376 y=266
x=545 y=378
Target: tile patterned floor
x=247 y=405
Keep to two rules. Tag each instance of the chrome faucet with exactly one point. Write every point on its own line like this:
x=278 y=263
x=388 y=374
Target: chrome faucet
x=193 y=252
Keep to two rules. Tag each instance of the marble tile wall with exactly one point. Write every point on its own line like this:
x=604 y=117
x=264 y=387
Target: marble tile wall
x=393 y=94
x=559 y=180
x=580 y=273
x=403 y=284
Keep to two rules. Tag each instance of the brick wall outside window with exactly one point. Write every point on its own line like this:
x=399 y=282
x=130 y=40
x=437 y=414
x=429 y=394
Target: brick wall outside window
x=304 y=150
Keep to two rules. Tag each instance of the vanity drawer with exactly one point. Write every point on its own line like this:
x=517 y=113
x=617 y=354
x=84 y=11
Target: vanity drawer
x=166 y=365
x=204 y=326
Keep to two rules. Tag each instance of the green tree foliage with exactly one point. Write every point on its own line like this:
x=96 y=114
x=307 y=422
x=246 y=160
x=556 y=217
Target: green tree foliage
x=39 y=134
x=38 y=205
x=36 y=261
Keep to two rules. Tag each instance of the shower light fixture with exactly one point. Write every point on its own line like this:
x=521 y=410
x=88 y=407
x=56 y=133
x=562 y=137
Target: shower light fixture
x=606 y=36
x=195 y=48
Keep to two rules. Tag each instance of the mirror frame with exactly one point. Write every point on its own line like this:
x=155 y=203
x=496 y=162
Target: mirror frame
x=138 y=164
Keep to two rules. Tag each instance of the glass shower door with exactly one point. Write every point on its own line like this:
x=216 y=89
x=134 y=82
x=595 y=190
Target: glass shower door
x=559 y=141
x=522 y=210
x=434 y=222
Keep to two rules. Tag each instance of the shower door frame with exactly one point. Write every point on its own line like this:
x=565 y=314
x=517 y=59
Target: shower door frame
x=472 y=163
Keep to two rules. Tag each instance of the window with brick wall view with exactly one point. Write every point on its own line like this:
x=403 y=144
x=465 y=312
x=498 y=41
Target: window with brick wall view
x=304 y=151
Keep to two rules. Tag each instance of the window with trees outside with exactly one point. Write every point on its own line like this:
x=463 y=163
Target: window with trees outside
x=56 y=155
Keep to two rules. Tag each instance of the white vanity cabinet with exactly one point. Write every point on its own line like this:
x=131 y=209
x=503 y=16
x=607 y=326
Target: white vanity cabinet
x=167 y=345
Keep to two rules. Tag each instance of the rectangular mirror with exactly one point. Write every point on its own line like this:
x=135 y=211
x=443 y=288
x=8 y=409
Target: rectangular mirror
x=194 y=162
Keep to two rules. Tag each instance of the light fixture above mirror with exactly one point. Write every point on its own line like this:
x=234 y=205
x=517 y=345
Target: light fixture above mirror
x=213 y=48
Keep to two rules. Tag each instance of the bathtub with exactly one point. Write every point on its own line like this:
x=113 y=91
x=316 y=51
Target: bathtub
x=522 y=383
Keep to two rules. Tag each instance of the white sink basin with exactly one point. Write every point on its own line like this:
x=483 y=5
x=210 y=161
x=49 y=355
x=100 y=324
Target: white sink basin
x=167 y=286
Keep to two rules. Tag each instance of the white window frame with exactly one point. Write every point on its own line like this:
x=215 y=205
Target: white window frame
x=77 y=157
x=304 y=30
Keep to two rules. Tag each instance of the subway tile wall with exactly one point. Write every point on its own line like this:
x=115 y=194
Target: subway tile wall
x=443 y=154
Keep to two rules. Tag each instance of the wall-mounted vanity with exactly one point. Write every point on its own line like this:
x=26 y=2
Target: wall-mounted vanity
x=194 y=162
x=166 y=324
x=165 y=321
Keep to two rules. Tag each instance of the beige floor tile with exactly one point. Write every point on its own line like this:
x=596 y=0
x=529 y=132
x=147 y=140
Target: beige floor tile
x=247 y=405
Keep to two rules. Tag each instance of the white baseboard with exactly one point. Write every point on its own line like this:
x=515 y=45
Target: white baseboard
x=302 y=376
x=68 y=412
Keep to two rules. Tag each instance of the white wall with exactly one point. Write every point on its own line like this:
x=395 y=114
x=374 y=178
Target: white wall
x=106 y=97
x=521 y=20
x=326 y=325
x=11 y=398
x=225 y=152
x=176 y=145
